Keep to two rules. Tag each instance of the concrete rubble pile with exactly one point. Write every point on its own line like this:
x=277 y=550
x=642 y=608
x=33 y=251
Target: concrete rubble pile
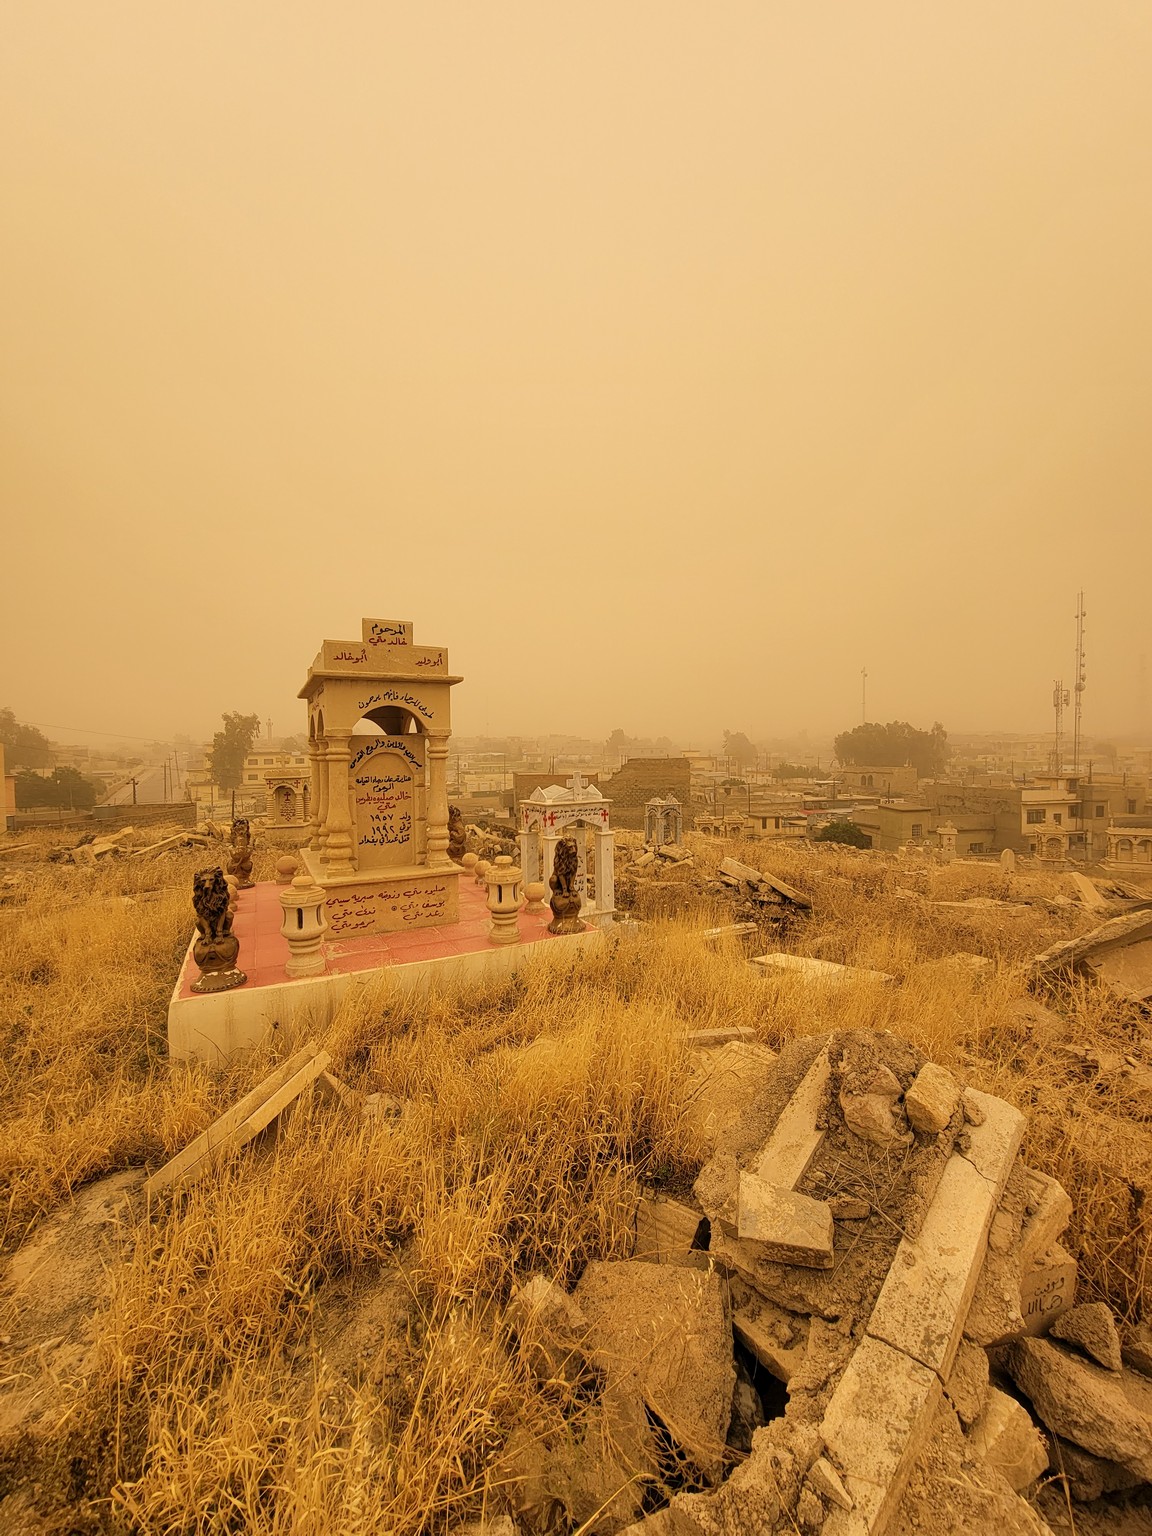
x=860 y=1319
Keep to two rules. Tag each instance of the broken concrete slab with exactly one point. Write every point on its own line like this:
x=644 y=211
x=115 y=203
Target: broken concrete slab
x=874 y=1427
x=729 y=1082
x=828 y=1485
x=1118 y=932
x=1127 y=971
x=711 y=1039
x=733 y=873
x=1136 y=1348
x=1092 y=1329
x=931 y=1099
x=717 y=938
x=789 y=1227
x=821 y=972
x=1005 y=1436
x=1084 y=1403
x=662 y=1337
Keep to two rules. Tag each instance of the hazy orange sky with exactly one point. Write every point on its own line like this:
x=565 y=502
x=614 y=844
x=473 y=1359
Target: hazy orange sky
x=667 y=362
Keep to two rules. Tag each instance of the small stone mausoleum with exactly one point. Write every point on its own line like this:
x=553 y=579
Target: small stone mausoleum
x=578 y=811
x=379 y=719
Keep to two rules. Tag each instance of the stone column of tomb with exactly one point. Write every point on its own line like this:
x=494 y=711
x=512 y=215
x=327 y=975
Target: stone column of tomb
x=604 y=861
x=339 y=848
x=530 y=856
x=312 y=801
x=320 y=814
x=438 y=803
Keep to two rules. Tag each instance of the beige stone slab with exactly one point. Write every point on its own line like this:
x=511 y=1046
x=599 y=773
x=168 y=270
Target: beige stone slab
x=1085 y=891
x=788 y=1227
x=825 y=972
x=243 y=1121
x=924 y=1300
x=751 y=1328
x=874 y=1428
x=796 y=1138
x=710 y=1039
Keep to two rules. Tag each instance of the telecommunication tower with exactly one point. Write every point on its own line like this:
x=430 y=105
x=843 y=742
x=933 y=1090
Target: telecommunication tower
x=1078 y=687
x=1060 y=700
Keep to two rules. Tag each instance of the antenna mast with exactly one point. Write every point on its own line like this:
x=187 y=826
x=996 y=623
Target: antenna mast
x=863 y=695
x=1080 y=683
x=1060 y=698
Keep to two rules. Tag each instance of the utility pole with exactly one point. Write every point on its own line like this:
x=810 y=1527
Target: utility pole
x=133 y=791
x=863 y=695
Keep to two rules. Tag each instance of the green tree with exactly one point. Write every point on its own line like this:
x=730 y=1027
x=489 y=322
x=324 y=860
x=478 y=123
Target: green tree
x=739 y=749
x=843 y=832
x=66 y=789
x=231 y=746
x=895 y=745
x=24 y=746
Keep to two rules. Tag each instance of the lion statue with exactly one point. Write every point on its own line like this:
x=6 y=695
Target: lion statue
x=565 y=902
x=210 y=899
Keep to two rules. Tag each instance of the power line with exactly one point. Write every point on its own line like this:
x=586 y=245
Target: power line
x=42 y=725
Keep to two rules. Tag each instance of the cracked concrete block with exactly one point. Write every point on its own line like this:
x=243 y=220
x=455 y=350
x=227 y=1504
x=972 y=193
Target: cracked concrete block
x=1088 y=1476
x=790 y=1227
x=1085 y=1403
x=931 y=1099
x=1092 y=1328
x=874 y=1427
x=1005 y=1436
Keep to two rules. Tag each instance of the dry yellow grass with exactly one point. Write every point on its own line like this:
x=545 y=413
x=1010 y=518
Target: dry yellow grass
x=535 y=1111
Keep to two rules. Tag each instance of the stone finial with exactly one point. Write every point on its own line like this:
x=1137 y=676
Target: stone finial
x=535 y=891
x=287 y=869
x=565 y=902
x=216 y=947
x=504 y=901
x=304 y=927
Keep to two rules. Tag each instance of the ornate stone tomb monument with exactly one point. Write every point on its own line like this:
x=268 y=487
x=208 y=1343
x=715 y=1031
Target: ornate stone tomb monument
x=379 y=719
x=663 y=821
x=580 y=812
x=288 y=807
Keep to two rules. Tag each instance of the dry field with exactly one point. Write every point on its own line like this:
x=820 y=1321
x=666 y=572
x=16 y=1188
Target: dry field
x=311 y=1341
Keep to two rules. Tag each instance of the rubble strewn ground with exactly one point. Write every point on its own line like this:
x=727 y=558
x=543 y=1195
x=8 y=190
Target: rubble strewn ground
x=669 y=1243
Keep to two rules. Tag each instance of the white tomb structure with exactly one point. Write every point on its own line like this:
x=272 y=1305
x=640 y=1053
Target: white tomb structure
x=579 y=811
x=379 y=719
x=289 y=792
x=663 y=821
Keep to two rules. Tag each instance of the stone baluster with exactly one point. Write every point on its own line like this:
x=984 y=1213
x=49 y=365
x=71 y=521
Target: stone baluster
x=438 y=803
x=339 y=848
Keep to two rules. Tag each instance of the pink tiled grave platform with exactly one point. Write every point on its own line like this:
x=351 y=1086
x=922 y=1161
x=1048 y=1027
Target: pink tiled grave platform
x=210 y=1026
x=264 y=950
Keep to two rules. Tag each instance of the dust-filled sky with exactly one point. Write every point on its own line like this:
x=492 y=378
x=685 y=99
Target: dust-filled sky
x=668 y=362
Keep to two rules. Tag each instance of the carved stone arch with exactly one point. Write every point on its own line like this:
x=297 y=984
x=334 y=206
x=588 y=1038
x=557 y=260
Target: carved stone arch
x=394 y=720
